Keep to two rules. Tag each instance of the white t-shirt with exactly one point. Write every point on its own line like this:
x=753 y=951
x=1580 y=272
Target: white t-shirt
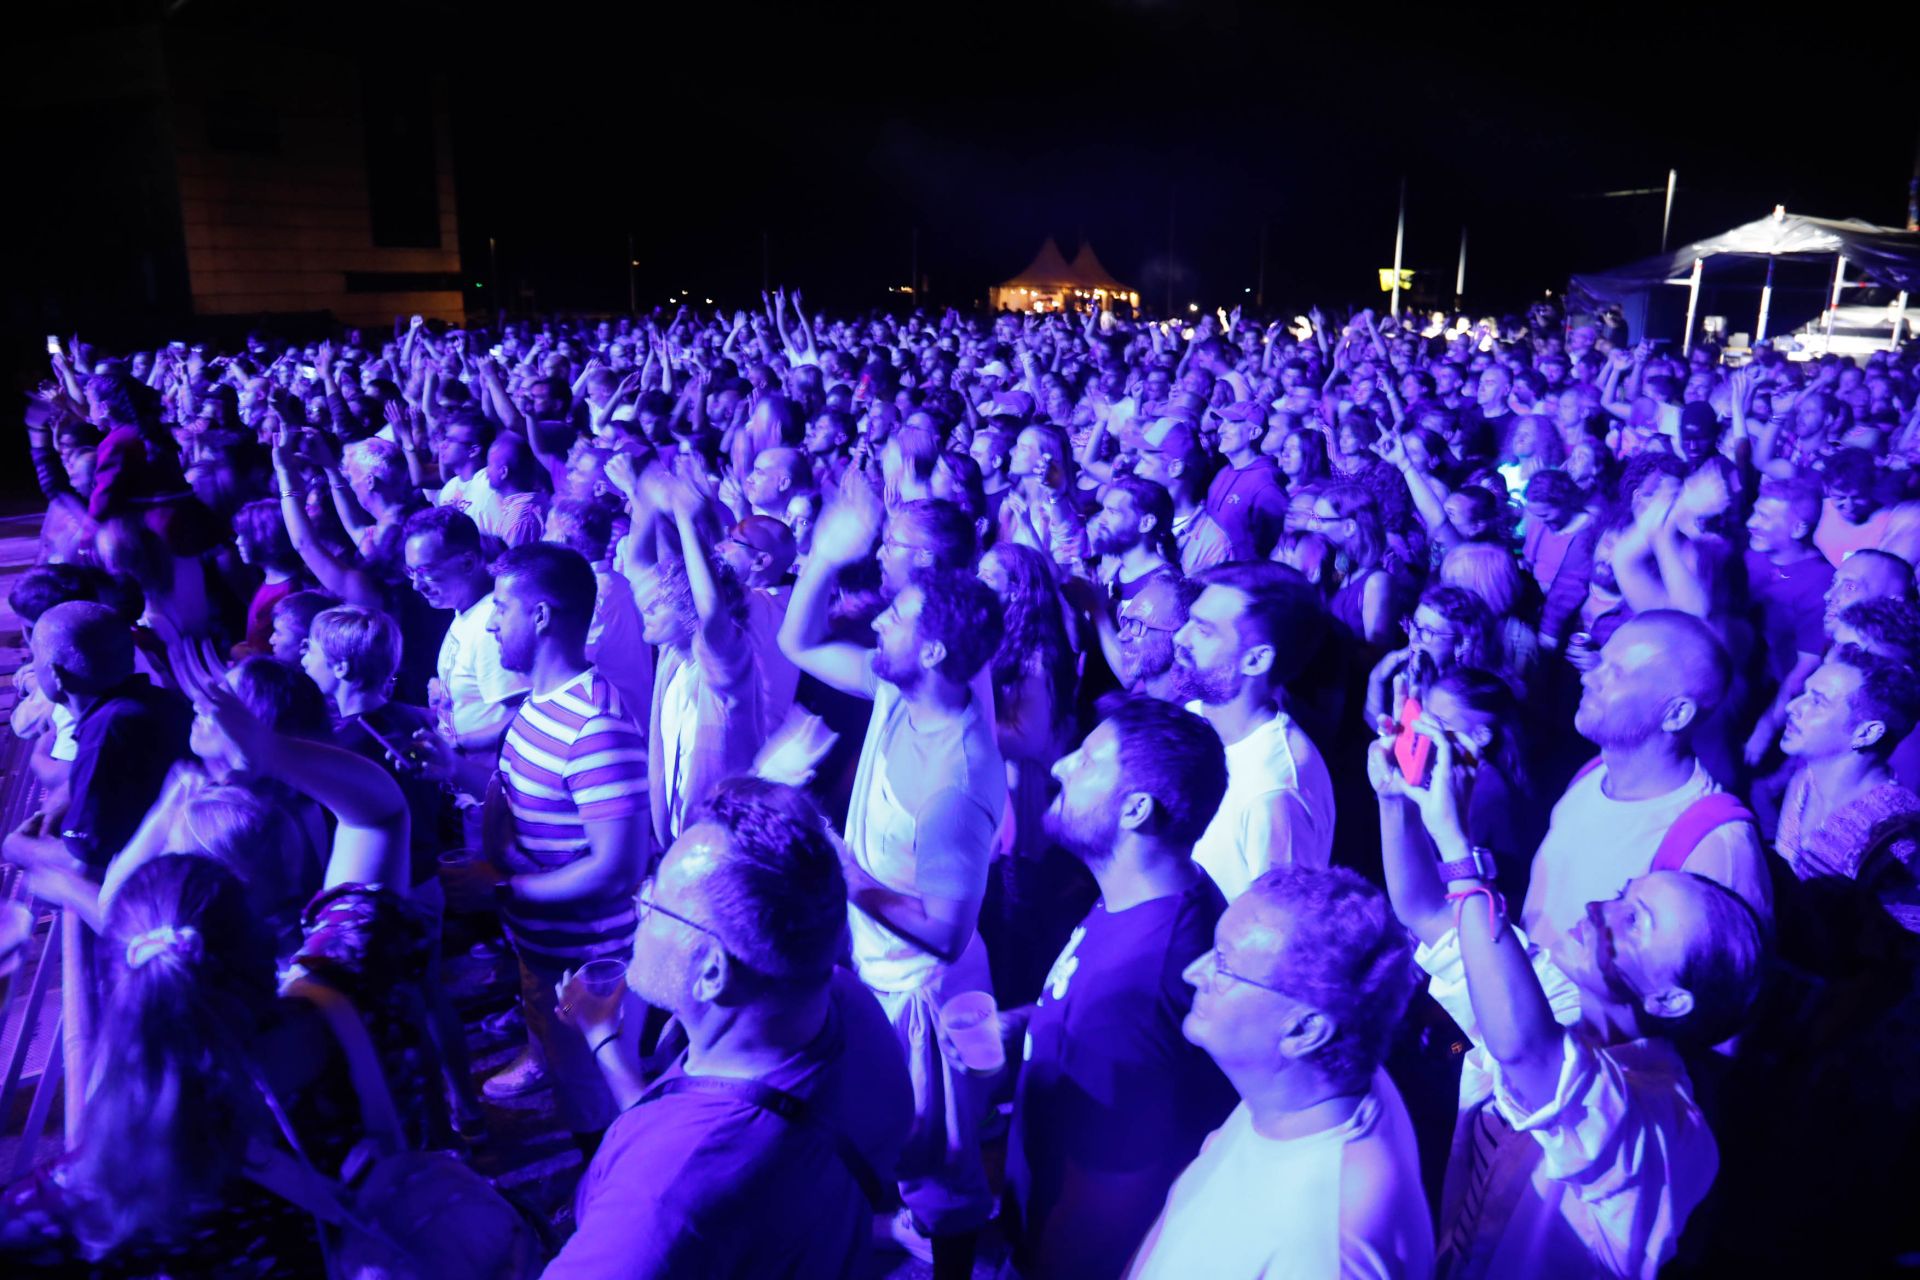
x=1278 y=810
x=476 y=685
x=1345 y=1202
x=1596 y=844
x=477 y=498
x=679 y=719
x=1596 y=1181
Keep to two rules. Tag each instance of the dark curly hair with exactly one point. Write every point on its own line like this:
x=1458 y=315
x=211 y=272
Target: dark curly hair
x=1034 y=631
x=961 y=613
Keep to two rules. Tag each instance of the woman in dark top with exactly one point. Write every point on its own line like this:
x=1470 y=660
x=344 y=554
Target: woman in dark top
x=157 y=1184
x=1506 y=813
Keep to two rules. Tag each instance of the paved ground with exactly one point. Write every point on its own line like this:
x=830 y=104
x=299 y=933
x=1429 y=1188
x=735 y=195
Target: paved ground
x=525 y=1152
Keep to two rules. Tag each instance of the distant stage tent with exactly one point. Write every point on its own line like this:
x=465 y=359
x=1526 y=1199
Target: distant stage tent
x=1051 y=283
x=1825 y=256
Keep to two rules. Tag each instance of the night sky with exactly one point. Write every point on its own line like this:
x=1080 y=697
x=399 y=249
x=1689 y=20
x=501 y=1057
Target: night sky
x=988 y=126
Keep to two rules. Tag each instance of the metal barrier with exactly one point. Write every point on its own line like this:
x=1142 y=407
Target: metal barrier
x=20 y=1012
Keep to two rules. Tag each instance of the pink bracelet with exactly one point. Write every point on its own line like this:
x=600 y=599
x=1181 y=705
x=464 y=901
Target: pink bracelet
x=1496 y=907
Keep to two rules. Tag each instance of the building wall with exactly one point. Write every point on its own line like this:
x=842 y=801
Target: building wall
x=271 y=147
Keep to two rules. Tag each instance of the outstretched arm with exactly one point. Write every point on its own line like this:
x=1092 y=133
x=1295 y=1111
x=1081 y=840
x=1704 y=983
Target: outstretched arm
x=842 y=536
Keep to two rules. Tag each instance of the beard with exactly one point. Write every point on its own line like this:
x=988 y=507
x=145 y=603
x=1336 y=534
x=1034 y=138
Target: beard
x=1617 y=731
x=1088 y=837
x=517 y=658
x=1212 y=688
x=905 y=676
x=1106 y=542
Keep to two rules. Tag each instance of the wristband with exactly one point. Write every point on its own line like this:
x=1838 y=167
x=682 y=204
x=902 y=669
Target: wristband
x=607 y=1039
x=1479 y=864
x=1496 y=907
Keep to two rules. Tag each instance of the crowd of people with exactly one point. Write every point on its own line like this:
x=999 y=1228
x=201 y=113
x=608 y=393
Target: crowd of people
x=1423 y=797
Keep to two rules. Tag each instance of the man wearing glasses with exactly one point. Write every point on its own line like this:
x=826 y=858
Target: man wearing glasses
x=754 y=1154
x=1316 y=1171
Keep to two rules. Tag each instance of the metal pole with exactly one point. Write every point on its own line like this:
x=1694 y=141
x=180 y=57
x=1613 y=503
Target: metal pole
x=1666 y=219
x=1399 y=243
x=1693 y=304
x=1460 y=276
x=1766 y=305
x=1899 y=318
x=1833 y=300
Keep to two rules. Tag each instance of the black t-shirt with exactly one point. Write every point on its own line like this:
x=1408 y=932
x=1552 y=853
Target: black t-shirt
x=396 y=723
x=125 y=744
x=1112 y=1101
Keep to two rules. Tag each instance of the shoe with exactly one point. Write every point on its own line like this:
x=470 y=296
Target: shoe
x=504 y=1023
x=525 y=1074
x=904 y=1233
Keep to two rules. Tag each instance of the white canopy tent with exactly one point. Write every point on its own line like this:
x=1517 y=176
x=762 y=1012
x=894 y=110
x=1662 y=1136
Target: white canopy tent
x=1875 y=255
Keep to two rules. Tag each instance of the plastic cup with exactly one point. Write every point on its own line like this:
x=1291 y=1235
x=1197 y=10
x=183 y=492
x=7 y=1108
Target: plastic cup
x=603 y=977
x=972 y=1021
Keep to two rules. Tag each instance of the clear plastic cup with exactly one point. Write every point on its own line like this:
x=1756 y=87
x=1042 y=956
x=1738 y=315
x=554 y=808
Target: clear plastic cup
x=972 y=1022
x=603 y=977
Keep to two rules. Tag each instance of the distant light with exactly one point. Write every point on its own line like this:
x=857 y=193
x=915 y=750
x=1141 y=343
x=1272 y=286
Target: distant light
x=1193 y=306
x=634 y=263
x=1248 y=289
x=709 y=301
x=478 y=285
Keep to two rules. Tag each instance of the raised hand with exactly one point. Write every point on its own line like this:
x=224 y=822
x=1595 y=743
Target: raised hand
x=624 y=475
x=845 y=531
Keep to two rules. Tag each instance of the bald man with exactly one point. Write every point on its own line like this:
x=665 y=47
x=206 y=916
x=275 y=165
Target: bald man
x=128 y=733
x=1867 y=574
x=1656 y=681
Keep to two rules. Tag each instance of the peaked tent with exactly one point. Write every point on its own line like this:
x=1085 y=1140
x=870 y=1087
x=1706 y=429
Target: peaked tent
x=1050 y=282
x=1886 y=256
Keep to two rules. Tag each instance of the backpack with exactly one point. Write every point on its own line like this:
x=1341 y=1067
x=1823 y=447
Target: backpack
x=1698 y=820
x=395 y=1214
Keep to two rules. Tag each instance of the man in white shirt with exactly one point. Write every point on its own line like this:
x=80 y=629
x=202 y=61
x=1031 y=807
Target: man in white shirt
x=1315 y=1173
x=1659 y=676
x=475 y=697
x=926 y=800
x=1253 y=628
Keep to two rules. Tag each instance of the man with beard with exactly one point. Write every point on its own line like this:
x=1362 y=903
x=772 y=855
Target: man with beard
x=926 y=800
x=574 y=775
x=1867 y=574
x=1254 y=627
x=701 y=1175
x=1111 y=1100
x=1148 y=623
x=1653 y=684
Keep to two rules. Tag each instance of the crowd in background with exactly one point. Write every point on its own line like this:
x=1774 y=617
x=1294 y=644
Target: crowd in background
x=1423 y=796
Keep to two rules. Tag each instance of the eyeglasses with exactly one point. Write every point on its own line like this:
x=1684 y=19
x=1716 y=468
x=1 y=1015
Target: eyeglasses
x=1217 y=969
x=1420 y=632
x=644 y=905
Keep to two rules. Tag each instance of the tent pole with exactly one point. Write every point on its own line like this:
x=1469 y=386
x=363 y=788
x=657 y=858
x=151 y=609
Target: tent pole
x=1399 y=243
x=1766 y=305
x=1666 y=219
x=1460 y=276
x=1693 y=304
x=1899 y=318
x=1833 y=302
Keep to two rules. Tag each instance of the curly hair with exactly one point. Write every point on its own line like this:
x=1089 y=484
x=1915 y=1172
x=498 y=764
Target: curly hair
x=961 y=613
x=1346 y=955
x=1034 y=631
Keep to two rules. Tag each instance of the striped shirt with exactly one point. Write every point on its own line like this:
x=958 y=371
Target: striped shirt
x=571 y=757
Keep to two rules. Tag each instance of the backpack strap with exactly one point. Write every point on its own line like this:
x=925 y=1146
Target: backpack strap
x=1695 y=823
x=796 y=1112
x=378 y=1115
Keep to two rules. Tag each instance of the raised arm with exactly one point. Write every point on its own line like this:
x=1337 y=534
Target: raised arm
x=842 y=536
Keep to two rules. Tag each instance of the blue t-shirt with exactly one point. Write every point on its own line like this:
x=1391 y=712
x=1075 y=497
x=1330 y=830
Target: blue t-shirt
x=1112 y=1102
x=710 y=1185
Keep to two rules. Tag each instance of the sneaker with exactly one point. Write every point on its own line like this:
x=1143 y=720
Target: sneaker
x=904 y=1233
x=525 y=1074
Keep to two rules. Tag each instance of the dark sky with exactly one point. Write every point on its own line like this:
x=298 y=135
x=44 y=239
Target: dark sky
x=987 y=126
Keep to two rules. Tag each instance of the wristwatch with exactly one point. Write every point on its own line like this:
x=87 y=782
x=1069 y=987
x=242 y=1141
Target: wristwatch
x=1479 y=864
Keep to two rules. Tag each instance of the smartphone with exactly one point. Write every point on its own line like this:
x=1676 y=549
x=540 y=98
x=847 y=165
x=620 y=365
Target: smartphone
x=308 y=371
x=53 y=345
x=176 y=346
x=1413 y=750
